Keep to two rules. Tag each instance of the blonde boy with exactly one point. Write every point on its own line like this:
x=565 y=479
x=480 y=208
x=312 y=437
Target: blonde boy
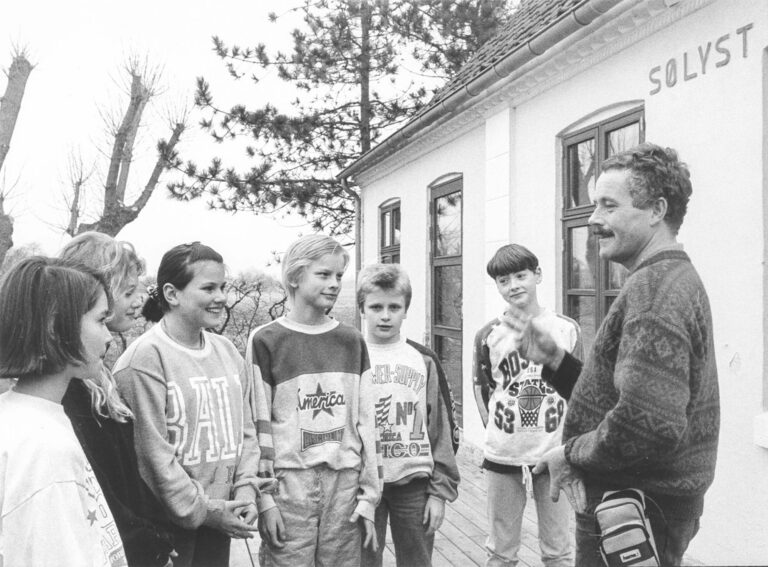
x=414 y=414
x=314 y=374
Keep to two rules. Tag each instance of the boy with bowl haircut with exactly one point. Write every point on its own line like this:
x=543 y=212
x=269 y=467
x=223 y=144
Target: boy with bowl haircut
x=523 y=415
x=415 y=419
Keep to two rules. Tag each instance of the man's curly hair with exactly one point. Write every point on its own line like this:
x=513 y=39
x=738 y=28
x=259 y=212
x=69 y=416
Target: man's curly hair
x=655 y=172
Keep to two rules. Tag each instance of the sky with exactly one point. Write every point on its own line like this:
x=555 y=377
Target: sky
x=78 y=48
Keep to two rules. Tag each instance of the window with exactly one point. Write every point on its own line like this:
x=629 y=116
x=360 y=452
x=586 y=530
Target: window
x=590 y=285
x=389 y=233
x=446 y=261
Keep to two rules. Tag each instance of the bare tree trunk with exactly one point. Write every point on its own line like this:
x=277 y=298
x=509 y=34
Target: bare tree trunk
x=10 y=104
x=74 y=208
x=6 y=232
x=121 y=154
x=140 y=94
x=78 y=179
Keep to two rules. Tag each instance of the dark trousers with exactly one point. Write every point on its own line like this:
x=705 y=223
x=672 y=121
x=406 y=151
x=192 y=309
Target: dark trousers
x=672 y=535
x=404 y=505
x=203 y=547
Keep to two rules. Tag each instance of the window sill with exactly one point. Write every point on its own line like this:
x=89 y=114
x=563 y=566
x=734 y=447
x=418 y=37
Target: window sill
x=760 y=429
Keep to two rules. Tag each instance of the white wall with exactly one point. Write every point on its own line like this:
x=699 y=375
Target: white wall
x=715 y=122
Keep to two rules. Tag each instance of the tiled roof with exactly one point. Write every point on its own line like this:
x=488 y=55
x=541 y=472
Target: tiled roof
x=531 y=17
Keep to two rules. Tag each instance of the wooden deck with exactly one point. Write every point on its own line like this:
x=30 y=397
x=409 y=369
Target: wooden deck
x=461 y=539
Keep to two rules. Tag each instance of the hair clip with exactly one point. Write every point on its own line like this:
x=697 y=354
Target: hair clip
x=153 y=292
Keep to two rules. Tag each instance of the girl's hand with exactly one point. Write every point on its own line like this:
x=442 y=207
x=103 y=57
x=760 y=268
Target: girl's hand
x=271 y=528
x=224 y=516
x=248 y=513
x=434 y=512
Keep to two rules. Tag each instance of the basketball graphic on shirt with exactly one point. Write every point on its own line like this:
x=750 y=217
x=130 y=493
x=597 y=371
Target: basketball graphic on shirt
x=529 y=402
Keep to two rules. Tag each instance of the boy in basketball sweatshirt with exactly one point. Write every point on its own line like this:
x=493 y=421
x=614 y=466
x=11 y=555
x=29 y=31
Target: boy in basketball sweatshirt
x=523 y=415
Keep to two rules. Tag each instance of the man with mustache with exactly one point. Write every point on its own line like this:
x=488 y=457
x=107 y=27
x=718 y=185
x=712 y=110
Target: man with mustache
x=645 y=410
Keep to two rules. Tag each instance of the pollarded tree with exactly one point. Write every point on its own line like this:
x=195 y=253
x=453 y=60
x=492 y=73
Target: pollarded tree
x=360 y=68
x=116 y=210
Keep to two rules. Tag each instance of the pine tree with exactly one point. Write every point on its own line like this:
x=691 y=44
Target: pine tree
x=360 y=68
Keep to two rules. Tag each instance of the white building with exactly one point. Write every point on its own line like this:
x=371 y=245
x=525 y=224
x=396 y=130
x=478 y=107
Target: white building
x=507 y=152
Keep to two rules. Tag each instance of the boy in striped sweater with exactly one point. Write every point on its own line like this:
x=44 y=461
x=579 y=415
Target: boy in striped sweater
x=314 y=412
x=414 y=415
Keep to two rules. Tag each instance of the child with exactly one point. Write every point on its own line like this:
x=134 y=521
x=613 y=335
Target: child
x=53 y=511
x=412 y=397
x=101 y=420
x=526 y=416
x=191 y=401
x=315 y=375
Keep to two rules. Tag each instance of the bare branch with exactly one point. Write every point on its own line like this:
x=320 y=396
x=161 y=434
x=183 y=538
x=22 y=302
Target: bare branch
x=166 y=152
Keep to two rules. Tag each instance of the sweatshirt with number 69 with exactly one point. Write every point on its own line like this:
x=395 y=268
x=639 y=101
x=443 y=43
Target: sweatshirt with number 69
x=314 y=402
x=525 y=413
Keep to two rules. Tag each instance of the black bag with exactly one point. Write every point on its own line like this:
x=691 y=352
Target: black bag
x=626 y=536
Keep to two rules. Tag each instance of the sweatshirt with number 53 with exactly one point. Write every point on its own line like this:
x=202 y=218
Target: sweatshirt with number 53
x=525 y=413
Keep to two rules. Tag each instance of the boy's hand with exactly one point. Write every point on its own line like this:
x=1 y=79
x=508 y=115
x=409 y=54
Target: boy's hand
x=224 y=516
x=563 y=477
x=271 y=528
x=369 y=532
x=434 y=512
x=536 y=343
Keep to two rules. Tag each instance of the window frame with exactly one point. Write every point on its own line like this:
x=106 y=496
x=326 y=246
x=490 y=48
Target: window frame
x=438 y=332
x=577 y=216
x=389 y=245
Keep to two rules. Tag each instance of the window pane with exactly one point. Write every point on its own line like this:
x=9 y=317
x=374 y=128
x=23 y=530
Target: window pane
x=609 y=299
x=386 y=259
x=623 y=138
x=448 y=350
x=617 y=275
x=582 y=262
x=395 y=258
x=448 y=296
x=448 y=225
x=582 y=310
x=386 y=229
x=396 y=226
x=581 y=173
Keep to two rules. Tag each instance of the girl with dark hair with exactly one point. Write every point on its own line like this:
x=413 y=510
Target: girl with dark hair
x=101 y=420
x=53 y=511
x=187 y=388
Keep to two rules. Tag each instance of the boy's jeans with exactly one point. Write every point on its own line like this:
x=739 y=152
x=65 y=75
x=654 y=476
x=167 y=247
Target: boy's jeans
x=316 y=505
x=404 y=505
x=506 y=504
